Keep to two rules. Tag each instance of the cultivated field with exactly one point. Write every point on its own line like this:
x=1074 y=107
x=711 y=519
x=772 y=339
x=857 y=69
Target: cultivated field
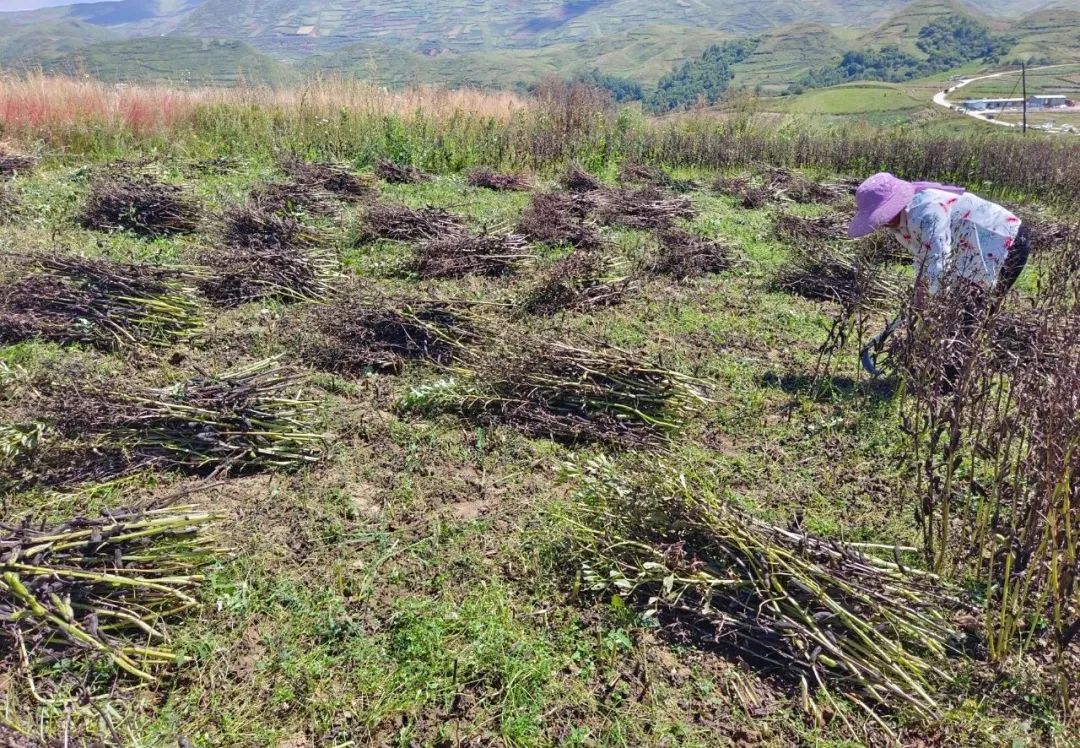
x=345 y=418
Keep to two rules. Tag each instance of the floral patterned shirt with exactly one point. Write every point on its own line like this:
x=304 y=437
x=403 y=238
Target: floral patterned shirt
x=960 y=236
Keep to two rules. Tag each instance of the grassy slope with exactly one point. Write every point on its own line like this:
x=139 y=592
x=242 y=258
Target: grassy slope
x=48 y=40
x=625 y=40
x=903 y=29
x=644 y=55
x=171 y=59
x=417 y=589
x=1065 y=80
x=787 y=54
x=1050 y=33
x=854 y=98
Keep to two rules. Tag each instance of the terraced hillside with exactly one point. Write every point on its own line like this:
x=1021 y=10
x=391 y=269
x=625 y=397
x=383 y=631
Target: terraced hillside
x=492 y=43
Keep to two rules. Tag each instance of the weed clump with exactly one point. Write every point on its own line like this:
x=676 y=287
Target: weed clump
x=493 y=180
x=356 y=334
x=329 y=177
x=460 y=255
x=567 y=394
x=683 y=255
x=99 y=303
x=102 y=589
x=559 y=219
x=584 y=279
x=647 y=208
x=266 y=255
x=394 y=222
x=394 y=173
x=139 y=204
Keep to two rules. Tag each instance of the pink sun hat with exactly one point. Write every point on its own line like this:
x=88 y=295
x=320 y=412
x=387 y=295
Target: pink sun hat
x=880 y=199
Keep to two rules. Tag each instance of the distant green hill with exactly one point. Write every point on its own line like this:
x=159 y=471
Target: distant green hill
x=171 y=59
x=493 y=43
x=644 y=55
x=48 y=40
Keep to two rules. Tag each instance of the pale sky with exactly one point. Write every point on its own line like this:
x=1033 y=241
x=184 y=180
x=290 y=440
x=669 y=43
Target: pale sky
x=34 y=4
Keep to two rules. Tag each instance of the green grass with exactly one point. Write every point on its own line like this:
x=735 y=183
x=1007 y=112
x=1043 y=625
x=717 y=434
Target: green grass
x=418 y=588
x=191 y=62
x=854 y=98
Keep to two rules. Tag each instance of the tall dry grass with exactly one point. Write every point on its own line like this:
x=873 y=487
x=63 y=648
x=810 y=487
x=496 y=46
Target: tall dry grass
x=445 y=130
x=36 y=104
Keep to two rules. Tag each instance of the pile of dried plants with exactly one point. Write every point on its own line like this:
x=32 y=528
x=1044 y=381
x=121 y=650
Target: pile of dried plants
x=95 y=302
x=395 y=222
x=395 y=173
x=140 y=204
x=99 y=591
x=459 y=255
x=493 y=180
x=560 y=219
x=683 y=255
x=584 y=279
x=808 y=610
x=360 y=332
x=568 y=394
x=329 y=177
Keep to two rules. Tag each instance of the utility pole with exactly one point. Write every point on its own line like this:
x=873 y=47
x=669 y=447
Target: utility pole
x=1023 y=77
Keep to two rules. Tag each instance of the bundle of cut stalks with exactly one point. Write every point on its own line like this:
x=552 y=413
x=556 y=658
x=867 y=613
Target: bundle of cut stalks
x=394 y=222
x=394 y=173
x=101 y=590
x=249 y=227
x=753 y=198
x=578 y=180
x=824 y=273
x=750 y=196
x=140 y=204
x=817 y=612
x=459 y=255
x=12 y=164
x=731 y=185
x=493 y=180
x=881 y=248
x=636 y=173
x=647 y=208
x=567 y=394
x=1048 y=233
x=795 y=229
x=787 y=185
x=252 y=418
x=99 y=303
x=217 y=165
x=585 y=279
x=358 y=333
x=683 y=255
x=554 y=218
x=328 y=177
x=290 y=198
x=267 y=256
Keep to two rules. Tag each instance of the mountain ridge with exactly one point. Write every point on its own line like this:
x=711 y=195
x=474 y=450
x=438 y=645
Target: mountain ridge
x=496 y=43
